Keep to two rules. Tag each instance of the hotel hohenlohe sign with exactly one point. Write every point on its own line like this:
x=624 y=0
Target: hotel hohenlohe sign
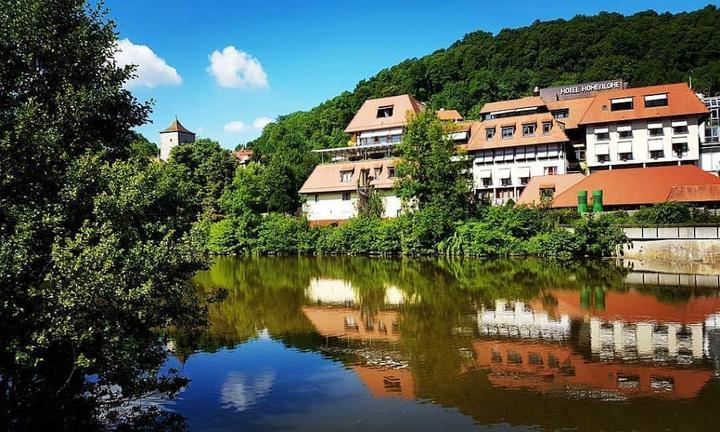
x=572 y=91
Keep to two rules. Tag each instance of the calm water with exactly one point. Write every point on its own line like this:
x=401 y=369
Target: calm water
x=381 y=344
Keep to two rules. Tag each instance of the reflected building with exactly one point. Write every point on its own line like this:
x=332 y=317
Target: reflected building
x=517 y=319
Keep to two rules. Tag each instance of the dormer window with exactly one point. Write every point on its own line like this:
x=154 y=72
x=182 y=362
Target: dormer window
x=657 y=100
x=529 y=129
x=385 y=111
x=547 y=127
x=345 y=176
x=489 y=133
x=561 y=113
x=391 y=172
x=621 y=104
x=508 y=131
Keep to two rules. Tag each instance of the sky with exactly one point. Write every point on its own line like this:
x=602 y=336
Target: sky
x=226 y=68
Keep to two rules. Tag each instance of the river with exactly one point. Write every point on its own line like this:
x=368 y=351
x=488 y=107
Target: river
x=345 y=343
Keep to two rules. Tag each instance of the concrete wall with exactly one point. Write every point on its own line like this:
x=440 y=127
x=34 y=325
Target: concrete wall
x=640 y=139
x=676 y=244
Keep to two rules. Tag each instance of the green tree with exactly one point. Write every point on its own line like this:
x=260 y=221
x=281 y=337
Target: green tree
x=94 y=250
x=209 y=166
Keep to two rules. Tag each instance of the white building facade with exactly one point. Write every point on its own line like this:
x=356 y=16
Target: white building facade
x=172 y=137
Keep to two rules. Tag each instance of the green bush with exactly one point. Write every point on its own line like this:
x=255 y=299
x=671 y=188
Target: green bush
x=280 y=234
x=663 y=213
x=598 y=236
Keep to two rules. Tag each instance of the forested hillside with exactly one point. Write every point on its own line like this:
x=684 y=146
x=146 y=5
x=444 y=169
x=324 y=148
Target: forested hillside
x=645 y=48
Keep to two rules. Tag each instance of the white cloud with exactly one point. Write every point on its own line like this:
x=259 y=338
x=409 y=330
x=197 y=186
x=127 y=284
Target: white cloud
x=234 y=68
x=151 y=70
x=235 y=126
x=261 y=122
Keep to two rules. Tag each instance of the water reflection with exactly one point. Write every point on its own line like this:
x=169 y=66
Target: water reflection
x=529 y=343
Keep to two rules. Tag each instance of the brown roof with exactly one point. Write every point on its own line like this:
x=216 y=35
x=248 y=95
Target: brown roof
x=513 y=104
x=576 y=110
x=451 y=115
x=326 y=177
x=531 y=193
x=175 y=126
x=478 y=139
x=366 y=118
x=243 y=153
x=638 y=186
x=681 y=101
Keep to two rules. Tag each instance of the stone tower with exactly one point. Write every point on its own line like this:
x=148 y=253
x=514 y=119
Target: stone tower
x=171 y=137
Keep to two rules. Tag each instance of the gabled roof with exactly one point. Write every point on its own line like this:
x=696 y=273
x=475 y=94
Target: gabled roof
x=642 y=186
x=561 y=182
x=367 y=116
x=681 y=101
x=512 y=104
x=175 y=126
x=326 y=177
x=479 y=141
x=450 y=115
x=576 y=110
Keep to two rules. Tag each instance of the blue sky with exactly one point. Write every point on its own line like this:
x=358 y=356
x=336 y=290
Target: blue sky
x=292 y=55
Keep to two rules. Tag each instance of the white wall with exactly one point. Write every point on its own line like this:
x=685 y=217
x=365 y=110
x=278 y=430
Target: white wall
x=640 y=149
x=710 y=159
x=330 y=205
x=170 y=140
x=498 y=165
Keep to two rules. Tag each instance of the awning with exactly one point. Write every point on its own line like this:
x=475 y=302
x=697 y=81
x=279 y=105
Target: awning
x=530 y=152
x=505 y=173
x=621 y=100
x=601 y=130
x=546 y=186
x=488 y=156
x=655 y=125
x=656 y=97
x=625 y=147
x=523 y=172
x=485 y=174
x=655 y=145
x=508 y=154
x=624 y=128
x=679 y=123
x=382 y=132
x=679 y=140
x=602 y=149
x=457 y=136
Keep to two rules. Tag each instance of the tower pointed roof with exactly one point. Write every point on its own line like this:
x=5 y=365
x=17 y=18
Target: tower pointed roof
x=176 y=126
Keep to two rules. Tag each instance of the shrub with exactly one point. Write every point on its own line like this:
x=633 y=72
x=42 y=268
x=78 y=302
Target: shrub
x=478 y=239
x=663 y=213
x=599 y=236
x=281 y=234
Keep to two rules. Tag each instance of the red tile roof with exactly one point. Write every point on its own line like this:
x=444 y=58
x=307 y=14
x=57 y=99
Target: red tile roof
x=681 y=101
x=642 y=186
x=366 y=118
x=531 y=193
x=326 y=177
x=451 y=115
x=479 y=141
x=513 y=104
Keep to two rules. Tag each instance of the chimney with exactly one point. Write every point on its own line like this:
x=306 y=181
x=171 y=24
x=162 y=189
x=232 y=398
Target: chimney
x=536 y=91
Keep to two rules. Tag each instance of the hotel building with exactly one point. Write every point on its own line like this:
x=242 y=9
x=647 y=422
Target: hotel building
x=710 y=148
x=644 y=126
x=348 y=174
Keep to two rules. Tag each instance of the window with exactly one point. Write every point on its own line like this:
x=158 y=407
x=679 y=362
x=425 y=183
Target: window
x=625 y=156
x=547 y=193
x=561 y=114
x=550 y=170
x=487 y=182
x=680 y=149
x=621 y=104
x=547 y=127
x=602 y=134
x=655 y=130
x=508 y=131
x=505 y=182
x=489 y=133
x=377 y=173
x=529 y=129
x=395 y=138
x=603 y=158
x=345 y=176
x=346 y=196
x=625 y=132
x=385 y=111
x=680 y=127
x=656 y=154
x=317 y=197
x=658 y=100
x=524 y=180
x=391 y=172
